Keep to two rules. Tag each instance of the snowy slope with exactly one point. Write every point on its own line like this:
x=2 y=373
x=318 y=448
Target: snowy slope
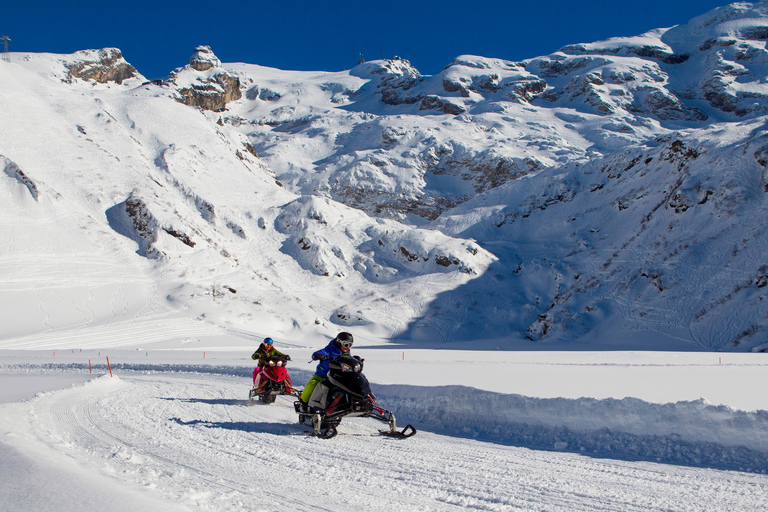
x=666 y=242
x=121 y=186
x=186 y=439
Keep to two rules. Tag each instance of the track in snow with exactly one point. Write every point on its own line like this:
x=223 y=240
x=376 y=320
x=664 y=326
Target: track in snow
x=191 y=439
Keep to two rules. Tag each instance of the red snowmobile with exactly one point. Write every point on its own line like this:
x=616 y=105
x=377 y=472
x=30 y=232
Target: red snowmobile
x=273 y=381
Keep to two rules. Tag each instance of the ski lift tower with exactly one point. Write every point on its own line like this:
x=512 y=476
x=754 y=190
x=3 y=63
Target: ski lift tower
x=6 y=55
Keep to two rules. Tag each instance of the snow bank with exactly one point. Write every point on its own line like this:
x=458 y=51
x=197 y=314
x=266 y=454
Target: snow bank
x=689 y=433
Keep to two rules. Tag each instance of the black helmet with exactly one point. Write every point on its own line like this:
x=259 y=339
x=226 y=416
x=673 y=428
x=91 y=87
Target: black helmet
x=344 y=338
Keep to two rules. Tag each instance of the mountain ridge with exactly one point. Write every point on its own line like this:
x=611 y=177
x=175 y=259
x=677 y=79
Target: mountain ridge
x=608 y=195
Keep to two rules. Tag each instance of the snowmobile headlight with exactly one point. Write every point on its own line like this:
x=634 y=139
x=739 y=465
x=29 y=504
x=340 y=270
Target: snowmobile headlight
x=271 y=363
x=346 y=368
x=280 y=363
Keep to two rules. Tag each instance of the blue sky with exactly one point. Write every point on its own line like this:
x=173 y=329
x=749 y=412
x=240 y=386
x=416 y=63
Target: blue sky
x=158 y=36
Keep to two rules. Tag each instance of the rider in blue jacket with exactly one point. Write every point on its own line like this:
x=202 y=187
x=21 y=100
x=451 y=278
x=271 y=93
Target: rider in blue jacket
x=341 y=344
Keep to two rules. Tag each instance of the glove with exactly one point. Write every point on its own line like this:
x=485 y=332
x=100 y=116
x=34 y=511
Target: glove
x=318 y=357
x=287 y=358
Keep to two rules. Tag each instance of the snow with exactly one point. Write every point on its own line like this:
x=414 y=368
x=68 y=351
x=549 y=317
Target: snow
x=145 y=251
x=498 y=430
x=184 y=437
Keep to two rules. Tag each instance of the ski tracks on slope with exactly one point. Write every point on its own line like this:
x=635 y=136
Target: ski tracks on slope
x=126 y=334
x=191 y=440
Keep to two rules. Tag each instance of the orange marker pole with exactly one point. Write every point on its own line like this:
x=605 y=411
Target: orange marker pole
x=110 y=367
x=203 y=355
x=89 y=367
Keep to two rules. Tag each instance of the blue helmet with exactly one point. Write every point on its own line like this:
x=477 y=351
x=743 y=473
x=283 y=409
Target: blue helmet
x=268 y=341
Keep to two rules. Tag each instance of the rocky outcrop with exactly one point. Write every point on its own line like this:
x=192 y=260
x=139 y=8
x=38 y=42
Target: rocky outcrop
x=203 y=59
x=381 y=250
x=212 y=94
x=761 y=156
x=209 y=87
x=13 y=171
x=484 y=170
x=526 y=89
x=438 y=103
x=486 y=77
x=396 y=80
x=133 y=219
x=663 y=105
x=610 y=86
x=645 y=51
x=102 y=66
x=588 y=87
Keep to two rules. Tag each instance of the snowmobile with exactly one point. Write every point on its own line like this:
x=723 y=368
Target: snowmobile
x=275 y=381
x=345 y=392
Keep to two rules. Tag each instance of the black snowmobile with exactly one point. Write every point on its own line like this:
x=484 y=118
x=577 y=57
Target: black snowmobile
x=345 y=392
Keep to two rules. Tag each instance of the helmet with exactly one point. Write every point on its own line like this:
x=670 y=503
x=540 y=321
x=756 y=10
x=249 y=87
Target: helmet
x=344 y=339
x=268 y=341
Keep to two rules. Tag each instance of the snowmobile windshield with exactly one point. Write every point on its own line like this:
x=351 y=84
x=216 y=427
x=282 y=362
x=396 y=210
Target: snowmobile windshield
x=346 y=364
x=352 y=382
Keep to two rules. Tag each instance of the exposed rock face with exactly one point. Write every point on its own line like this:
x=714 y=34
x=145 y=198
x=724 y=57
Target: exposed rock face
x=610 y=81
x=663 y=105
x=213 y=94
x=485 y=170
x=203 y=59
x=383 y=251
x=396 y=80
x=526 y=89
x=588 y=87
x=105 y=65
x=486 y=77
x=13 y=171
x=144 y=225
x=761 y=156
x=437 y=103
x=210 y=87
x=645 y=51
x=134 y=219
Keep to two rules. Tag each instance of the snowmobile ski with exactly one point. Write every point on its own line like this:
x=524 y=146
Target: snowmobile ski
x=407 y=432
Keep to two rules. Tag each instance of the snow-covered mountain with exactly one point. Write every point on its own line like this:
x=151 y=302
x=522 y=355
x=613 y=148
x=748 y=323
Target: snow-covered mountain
x=612 y=194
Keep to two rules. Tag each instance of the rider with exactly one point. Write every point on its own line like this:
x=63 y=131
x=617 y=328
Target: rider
x=341 y=344
x=265 y=351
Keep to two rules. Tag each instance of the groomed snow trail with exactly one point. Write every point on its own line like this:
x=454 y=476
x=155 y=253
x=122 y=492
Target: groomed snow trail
x=191 y=440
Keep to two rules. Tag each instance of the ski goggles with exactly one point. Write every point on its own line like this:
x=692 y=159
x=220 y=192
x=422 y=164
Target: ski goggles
x=346 y=343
